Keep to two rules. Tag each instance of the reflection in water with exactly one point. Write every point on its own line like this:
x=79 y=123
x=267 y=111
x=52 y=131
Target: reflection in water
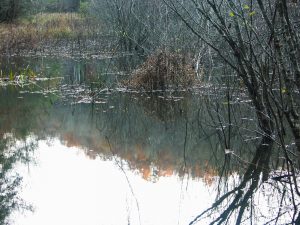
x=10 y=153
x=137 y=158
x=80 y=191
x=101 y=73
x=237 y=200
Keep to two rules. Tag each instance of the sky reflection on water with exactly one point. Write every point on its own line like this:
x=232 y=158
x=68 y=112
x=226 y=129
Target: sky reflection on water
x=67 y=187
x=135 y=158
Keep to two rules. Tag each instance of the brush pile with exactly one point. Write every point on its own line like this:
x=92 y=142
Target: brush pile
x=163 y=70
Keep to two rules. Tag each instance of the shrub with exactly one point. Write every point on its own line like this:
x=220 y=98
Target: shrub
x=161 y=71
x=12 y=9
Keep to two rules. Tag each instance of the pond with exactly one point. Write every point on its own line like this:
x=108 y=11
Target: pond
x=76 y=149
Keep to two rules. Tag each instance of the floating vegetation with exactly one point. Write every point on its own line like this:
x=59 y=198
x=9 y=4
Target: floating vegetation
x=22 y=77
x=22 y=81
x=78 y=94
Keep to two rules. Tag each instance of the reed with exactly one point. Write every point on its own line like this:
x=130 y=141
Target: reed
x=32 y=33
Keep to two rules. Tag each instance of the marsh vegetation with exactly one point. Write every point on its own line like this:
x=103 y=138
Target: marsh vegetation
x=200 y=90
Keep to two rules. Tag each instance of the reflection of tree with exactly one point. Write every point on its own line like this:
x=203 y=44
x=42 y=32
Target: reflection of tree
x=75 y=71
x=9 y=181
x=148 y=131
x=238 y=203
x=160 y=136
x=165 y=106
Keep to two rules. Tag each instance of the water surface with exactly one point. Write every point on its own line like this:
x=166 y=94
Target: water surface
x=79 y=151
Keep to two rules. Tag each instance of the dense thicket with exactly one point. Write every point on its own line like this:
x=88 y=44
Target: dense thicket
x=258 y=41
x=59 y=5
x=12 y=9
x=142 y=25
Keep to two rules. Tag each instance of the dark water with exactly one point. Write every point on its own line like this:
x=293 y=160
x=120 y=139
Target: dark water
x=75 y=150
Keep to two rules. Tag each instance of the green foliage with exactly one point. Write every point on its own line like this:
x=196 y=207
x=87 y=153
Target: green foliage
x=30 y=73
x=11 y=75
x=252 y=13
x=246 y=7
x=84 y=8
x=59 y=6
x=13 y=9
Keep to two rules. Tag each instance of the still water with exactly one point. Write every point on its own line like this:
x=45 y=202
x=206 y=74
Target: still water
x=75 y=151
x=69 y=187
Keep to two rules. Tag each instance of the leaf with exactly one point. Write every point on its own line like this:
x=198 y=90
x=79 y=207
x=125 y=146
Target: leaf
x=246 y=7
x=11 y=75
x=283 y=90
x=231 y=14
x=252 y=13
x=31 y=74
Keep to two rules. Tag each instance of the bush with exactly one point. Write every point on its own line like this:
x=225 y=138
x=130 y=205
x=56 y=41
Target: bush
x=161 y=71
x=84 y=8
x=12 y=9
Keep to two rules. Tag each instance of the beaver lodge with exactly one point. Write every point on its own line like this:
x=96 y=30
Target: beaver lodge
x=163 y=70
